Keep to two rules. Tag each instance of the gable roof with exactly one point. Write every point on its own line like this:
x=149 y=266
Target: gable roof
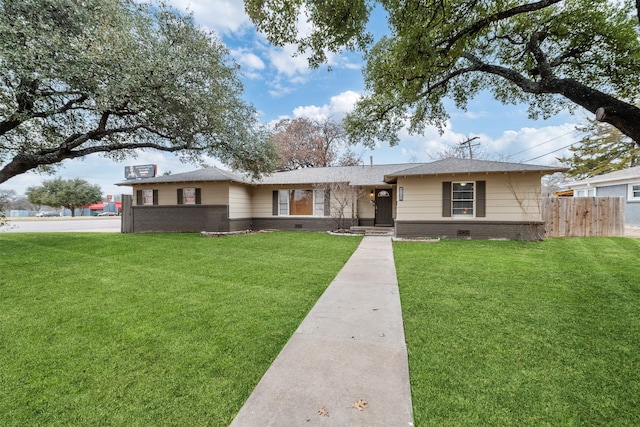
x=361 y=175
x=621 y=176
x=354 y=175
x=454 y=165
x=201 y=175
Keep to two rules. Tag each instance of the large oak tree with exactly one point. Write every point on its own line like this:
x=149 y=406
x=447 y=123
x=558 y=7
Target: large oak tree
x=115 y=77
x=68 y=193
x=551 y=54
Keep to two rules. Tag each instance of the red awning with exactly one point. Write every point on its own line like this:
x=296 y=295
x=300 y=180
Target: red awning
x=100 y=206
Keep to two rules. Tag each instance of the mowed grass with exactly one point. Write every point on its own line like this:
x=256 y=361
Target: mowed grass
x=524 y=334
x=158 y=329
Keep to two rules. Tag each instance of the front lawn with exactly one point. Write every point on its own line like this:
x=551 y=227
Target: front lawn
x=514 y=333
x=157 y=329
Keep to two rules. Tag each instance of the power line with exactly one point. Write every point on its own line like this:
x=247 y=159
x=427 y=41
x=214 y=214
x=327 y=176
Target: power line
x=542 y=143
x=550 y=152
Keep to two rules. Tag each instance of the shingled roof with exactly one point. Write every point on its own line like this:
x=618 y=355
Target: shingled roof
x=201 y=175
x=455 y=166
x=361 y=175
x=354 y=175
x=628 y=174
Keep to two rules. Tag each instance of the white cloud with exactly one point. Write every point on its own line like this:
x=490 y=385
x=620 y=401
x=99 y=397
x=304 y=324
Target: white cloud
x=221 y=16
x=537 y=145
x=312 y=112
x=344 y=102
x=530 y=145
x=338 y=106
x=251 y=64
x=247 y=59
x=287 y=62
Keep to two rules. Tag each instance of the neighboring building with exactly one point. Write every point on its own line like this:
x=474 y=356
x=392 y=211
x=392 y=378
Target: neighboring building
x=452 y=198
x=623 y=183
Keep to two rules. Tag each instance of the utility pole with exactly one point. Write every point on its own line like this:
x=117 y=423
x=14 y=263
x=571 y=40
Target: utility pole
x=470 y=145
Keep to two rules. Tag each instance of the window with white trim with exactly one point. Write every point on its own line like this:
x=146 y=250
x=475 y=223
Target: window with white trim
x=462 y=198
x=585 y=192
x=634 y=192
x=301 y=202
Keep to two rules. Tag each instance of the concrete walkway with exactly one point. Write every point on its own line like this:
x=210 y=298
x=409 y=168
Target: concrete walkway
x=350 y=349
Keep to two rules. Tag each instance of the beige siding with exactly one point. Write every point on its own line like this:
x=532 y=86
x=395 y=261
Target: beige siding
x=262 y=198
x=212 y=193
x=239 y=201
x=346 y=200
x=366 y=209
x=509 y=197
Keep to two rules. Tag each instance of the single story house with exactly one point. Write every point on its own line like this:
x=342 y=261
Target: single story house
x=450 y=198
x=623 y=183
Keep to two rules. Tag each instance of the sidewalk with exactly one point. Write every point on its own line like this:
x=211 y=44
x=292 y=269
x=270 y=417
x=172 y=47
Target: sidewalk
x=349 y=349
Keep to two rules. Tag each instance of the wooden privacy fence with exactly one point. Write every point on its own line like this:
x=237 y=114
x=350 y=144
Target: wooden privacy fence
x=583 y=216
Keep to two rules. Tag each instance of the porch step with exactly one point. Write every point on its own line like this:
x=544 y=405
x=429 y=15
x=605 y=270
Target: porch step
x=373 y=231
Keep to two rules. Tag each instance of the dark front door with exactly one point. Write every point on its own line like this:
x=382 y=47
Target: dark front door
x=384 y=207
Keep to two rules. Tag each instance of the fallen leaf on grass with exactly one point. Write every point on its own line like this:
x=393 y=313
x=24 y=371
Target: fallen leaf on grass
x=360 y=405
x=323 y=411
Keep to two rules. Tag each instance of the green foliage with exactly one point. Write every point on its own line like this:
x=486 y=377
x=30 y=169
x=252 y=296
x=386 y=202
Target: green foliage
x=5 y=199
x=150 y=330
x=602 y=150
x=115 y=77
x=551 y=54
x=513 y=333
x=70 y=193
x=338 y=24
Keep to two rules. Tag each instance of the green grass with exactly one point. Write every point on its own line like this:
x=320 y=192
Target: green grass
x=515 y=333
x=159 y=329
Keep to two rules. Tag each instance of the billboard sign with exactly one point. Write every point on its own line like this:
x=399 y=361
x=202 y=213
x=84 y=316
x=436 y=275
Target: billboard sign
x=140 y=171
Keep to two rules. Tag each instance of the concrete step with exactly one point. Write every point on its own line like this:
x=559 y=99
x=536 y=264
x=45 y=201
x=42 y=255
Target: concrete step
x=373 y=231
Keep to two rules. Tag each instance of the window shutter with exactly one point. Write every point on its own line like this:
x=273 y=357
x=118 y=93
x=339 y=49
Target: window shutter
x=155 y=197
x=139 y=197
x=446 y=199
x=198 y=196
x=327 y=202
x=274 y=201
x=481 y=198
x=180 y=199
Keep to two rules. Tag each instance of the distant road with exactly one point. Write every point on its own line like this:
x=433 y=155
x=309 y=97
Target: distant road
x=86 y=224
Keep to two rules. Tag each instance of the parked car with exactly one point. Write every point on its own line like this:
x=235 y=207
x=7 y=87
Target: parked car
x=47 y=214
x=107 y=214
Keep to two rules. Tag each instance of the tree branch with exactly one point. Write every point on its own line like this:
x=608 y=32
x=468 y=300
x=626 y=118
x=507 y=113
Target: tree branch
x=25 y=107
x=480 y=25
x=518 y=79
x=541 y=59
x=446 y=80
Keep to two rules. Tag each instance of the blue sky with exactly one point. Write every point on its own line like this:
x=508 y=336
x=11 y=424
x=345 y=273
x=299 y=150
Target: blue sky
x=280 y=85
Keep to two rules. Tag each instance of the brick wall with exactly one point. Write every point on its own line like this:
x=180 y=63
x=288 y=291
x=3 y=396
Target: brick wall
x=471 y=230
